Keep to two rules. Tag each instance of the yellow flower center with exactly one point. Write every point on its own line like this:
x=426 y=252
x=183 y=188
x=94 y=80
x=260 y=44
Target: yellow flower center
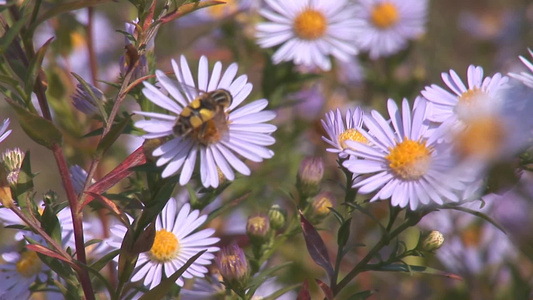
x=310 y=25
x=481 y=138
x=384 y=15
x=409 y=159
x=29 y=264
x=351 y=134
x=165 y=247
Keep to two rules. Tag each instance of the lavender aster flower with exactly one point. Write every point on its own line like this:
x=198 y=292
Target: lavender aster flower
x=238 y=132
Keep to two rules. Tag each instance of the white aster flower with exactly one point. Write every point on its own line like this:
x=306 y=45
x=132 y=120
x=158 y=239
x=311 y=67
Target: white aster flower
x=339 y=131
x=4 y=132
x=403 y=163
x=499 y=128
x=175 y=242
x=310 y=31
x=463 y=101
x=388 y=25
x=241 y=132
x=19 y=272
x=525 y=77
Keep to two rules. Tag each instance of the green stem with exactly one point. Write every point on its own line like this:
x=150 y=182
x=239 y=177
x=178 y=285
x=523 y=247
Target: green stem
x=385 y=239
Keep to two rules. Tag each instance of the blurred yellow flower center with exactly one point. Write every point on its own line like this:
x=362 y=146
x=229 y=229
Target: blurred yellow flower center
x=165 y=247
x=471 y=236
x=29 y=264
x=409 y=159
x=322 y=205
x=223 y=10
x=77 y=39
x=384 y=15
x=471 y=96
x=480 y=139
x=310 y=25
x=351 y=134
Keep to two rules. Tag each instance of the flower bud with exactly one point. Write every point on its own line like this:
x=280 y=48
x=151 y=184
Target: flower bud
x=257 y=227
x=85 y=102
x=320 y=207
x=277 y=217
x=432 y=242
x=309 y=175
x=6 y=198
x=12 y=161
x=233 y=266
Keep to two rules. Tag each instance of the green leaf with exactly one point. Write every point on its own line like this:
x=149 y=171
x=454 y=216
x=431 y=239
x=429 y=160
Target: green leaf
x=337 y=215
x=280 y=292
x=34 y=69
x=40 y=130
x=24 y=187
x=112 y=136
x=413 y=268
x=260 y=278
x=344 y=233
x=12 y=33
x=477 y=214
x=50 y=223
x=361 y=295
x=166 y=284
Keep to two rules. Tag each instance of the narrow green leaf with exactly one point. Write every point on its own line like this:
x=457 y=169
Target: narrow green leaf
x=24 y=186
x=280 y=292
x=260 y=278
x=40 y=130
x=344 y=233
x=35 y=67
x=50 y=223
x=478 y=214
x=361 y=295
x=12 y=33
x=112 y=136
x=413 y=268
x=166 y=284
x=337 y=215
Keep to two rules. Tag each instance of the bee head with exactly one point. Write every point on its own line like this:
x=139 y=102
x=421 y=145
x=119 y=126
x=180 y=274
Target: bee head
x=222 y=97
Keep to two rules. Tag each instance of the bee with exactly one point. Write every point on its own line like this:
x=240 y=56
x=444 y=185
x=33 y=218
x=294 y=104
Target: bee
x=209 y=106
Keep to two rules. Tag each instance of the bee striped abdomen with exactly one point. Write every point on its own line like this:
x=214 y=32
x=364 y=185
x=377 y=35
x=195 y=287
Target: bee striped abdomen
x=201 y=110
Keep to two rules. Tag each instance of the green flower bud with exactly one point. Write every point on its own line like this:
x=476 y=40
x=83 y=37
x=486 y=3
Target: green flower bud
x=432 y=241
x=277 y=216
